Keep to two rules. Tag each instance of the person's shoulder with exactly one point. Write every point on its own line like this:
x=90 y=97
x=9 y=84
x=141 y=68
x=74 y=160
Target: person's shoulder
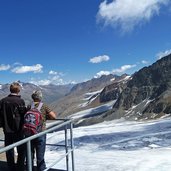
x=22 y=99
x=19 y=99
x=4 y=99
x=46 y=107
x=44 y=103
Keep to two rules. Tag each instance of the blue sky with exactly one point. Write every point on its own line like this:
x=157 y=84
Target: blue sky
x=63 y=41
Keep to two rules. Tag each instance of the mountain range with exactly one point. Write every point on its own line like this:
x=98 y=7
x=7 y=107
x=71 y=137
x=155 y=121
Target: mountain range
x=146 y=94
x=50 y=92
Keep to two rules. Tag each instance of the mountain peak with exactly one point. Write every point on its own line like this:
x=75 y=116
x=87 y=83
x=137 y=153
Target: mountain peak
x=148 y=93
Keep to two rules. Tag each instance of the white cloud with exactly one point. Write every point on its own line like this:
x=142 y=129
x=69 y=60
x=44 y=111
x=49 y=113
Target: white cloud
x=127 y=14
x=50 y=80
x=4 y=67
x=99 y=59
x=144 y=62
x=123 y=69
x=99 y=74
x=24 y=69
x=57 y=80
x=162 y=54
x=53 y=72
x=53 y=77
x=40 y=82
x=17 y=63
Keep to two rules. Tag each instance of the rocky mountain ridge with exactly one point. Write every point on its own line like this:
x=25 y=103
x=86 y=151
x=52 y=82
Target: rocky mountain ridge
x=144 y=95
x=89 y=94
x=147 y=95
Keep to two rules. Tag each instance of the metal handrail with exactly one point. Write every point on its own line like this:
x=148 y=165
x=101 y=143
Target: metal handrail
x=61 y=123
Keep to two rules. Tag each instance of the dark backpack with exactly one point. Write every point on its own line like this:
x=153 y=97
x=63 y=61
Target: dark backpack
x=33 y=121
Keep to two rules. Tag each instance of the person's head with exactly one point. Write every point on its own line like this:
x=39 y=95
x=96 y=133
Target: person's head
x=37 y=95
x=15 y=87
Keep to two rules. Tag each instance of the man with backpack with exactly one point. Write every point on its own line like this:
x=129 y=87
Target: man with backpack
x=12 y=110
x=31 y=117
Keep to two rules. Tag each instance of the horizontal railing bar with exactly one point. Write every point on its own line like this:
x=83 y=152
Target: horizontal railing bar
x=55 y=121
x=59 y=145
x=34 y=136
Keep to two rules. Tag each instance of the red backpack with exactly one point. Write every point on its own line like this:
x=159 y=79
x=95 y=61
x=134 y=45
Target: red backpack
x=33 y=120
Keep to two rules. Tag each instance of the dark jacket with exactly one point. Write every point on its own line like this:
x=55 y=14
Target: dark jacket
x=12 y=110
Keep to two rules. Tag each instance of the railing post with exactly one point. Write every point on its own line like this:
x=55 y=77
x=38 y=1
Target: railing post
x=29 y=156
x=66 y=148
x=72 y=146
x=65 y=125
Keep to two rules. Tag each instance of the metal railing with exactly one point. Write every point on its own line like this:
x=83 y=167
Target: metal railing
x=62 y=124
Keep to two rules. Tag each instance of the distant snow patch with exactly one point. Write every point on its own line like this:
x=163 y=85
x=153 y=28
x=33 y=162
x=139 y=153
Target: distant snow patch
x=113 y=79
x=125 y=79
x=94 y=111
x=89 y=97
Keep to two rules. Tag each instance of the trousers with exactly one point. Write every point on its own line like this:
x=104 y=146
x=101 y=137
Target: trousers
x=38 y=145
x=11 y=138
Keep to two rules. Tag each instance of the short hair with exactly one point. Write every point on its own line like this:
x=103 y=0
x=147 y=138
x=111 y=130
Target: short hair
x=15 y=87
x=37 y=95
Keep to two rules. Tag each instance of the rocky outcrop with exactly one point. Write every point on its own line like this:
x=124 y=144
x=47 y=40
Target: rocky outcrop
x=113 y=91
x=150 y=86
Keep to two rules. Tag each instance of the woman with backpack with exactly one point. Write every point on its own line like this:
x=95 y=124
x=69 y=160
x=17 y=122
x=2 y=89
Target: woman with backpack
x=39 y=144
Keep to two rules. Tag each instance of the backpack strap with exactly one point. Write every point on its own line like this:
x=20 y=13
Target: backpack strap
x=32 y=105
x=39 y=107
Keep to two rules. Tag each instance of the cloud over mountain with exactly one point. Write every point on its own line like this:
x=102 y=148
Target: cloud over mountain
x=99 y=74
x=162 y=54
x=123 y=68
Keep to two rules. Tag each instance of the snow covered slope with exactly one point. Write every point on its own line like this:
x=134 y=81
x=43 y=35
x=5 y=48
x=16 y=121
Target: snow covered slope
x=118 y=145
